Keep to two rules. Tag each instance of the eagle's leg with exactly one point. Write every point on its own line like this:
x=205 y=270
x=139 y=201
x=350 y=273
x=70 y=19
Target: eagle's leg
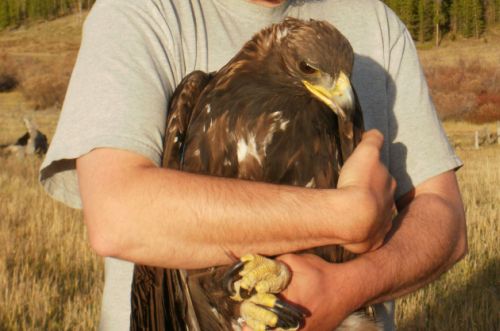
x=260 y=278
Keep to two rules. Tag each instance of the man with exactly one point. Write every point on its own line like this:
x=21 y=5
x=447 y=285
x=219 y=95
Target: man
x=108 y=146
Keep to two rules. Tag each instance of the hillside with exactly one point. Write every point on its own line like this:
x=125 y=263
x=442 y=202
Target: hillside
x=41 y=57
x=464 y=77
x=485 y=50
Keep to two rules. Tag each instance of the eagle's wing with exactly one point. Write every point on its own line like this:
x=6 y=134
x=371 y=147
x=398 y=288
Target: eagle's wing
x=179 y=115
x=160 y=297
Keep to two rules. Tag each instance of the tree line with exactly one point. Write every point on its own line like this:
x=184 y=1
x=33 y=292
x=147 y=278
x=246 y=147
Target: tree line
x=430 y=19
x=14 y=13
x=425 y=19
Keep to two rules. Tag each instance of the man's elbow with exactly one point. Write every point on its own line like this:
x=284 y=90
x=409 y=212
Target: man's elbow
x=103 y=238
x=102 y=177
x=461 y=247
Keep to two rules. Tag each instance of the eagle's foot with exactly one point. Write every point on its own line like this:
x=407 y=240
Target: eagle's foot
x=258 y=275
x=260 y=309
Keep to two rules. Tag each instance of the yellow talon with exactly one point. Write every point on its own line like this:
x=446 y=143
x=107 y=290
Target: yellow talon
x=264 y=299
x=263 y=277
x=252 y=313
x=263 y=274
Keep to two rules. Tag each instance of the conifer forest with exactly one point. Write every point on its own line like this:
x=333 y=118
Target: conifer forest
x=14 y=13
x=431 y=19
x=426 y=19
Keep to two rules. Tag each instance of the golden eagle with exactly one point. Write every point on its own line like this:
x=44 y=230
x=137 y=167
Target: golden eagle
x=281 y=111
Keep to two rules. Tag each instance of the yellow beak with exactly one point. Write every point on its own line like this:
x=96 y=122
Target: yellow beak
x=339 y=96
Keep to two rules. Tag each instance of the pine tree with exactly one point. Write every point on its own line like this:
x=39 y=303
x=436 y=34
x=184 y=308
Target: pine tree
x=4 y=14
x=408 y=14
x=16 y=11
x=477 y=17
x=455 y=17
x=497 y=10
x=425 y=19
x=470 y=18
x=431 y=18
x=438 y=20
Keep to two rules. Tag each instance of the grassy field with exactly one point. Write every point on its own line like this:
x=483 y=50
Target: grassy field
x=51 y=280
x=466 y=298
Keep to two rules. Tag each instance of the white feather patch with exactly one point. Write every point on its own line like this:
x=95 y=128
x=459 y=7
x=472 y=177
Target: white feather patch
x=311 y=183
x=248 y=148
x=284 y=124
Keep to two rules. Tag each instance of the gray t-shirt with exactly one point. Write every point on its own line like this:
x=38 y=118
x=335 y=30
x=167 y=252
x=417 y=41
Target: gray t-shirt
x=135 y=52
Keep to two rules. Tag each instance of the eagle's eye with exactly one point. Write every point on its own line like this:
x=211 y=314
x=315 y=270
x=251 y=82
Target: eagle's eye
x=306 y=68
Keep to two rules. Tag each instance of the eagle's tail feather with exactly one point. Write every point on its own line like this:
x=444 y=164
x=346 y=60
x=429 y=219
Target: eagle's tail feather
x=358 y=322
x=215 y=311
x=148 y=310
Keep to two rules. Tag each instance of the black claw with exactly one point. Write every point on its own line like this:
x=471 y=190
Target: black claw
x=289 y=316
x=228 y=278
x=292 y=310
x=288 y=324
x=286 y=321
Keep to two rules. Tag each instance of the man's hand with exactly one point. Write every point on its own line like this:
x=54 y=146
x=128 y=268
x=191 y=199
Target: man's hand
x=321 y=288
x=372 y=189
x=328 y=305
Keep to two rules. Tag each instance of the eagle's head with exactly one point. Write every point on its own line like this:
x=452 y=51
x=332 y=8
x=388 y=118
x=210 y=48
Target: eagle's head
x=311 y=55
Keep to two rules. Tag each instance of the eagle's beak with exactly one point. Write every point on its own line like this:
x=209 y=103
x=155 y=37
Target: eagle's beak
x=338 y=95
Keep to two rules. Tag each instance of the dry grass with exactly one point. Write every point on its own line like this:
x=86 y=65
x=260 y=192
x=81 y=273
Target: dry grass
x=40 y=59
x=466 y=298
x=49 y=277
x=8 y=74
x=51 y=280
x=13 y=107
x=44 y=83
x=482 y=50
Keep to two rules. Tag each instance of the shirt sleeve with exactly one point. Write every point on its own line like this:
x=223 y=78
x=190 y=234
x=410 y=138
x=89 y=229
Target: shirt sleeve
x=118 y=93
x=419 y=148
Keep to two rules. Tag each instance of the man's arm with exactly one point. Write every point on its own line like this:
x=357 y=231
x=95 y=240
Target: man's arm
x=428 y=237
x=138 y=212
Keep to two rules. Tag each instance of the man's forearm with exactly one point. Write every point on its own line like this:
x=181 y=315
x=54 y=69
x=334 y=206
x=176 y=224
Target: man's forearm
x=148 y=215
x=428 y=239
x=167 y=220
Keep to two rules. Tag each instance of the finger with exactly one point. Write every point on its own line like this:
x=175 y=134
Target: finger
x=394 y=212
x=394 y=185
x=373 y=137
x=385 y=231
x=367 y=153
x=357 y=248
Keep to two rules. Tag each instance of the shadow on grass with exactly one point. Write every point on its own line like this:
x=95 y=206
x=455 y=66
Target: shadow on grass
x=474 y=306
